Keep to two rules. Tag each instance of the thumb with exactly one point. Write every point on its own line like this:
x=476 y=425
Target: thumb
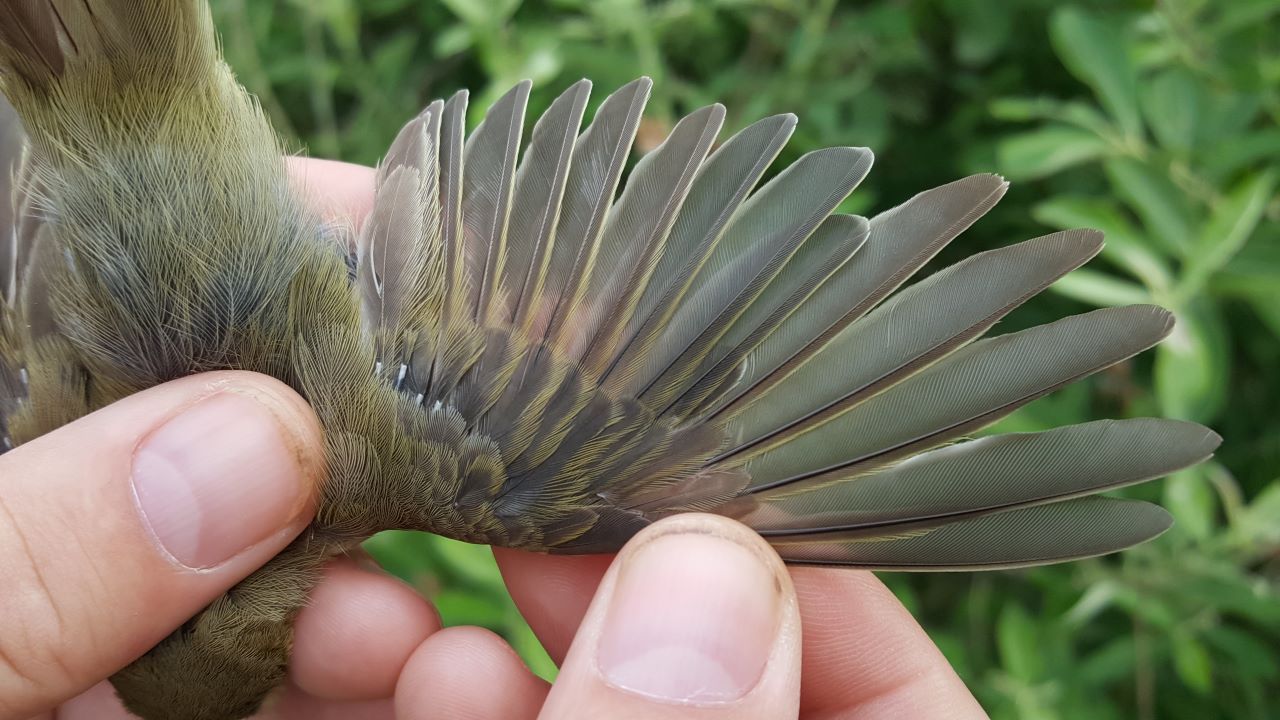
x=118 y=527
x=695 y=619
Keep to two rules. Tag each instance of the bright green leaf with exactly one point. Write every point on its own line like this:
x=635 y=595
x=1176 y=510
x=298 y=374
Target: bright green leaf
x=1094 y=50
x=1125 y=245
x=1192 y=372
x=1258 y=526
x=1018 y=638
x=1192 y=662
x=1164 y=209
x=1235 y=152
x=1100 y=289
x=1189 y=497
x=1172 y=102
x=1231 y=222
x=1045 y=151
x=1252 y=656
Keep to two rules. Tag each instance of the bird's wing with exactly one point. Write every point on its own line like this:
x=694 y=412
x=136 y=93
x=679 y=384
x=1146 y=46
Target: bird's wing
x=703 y=340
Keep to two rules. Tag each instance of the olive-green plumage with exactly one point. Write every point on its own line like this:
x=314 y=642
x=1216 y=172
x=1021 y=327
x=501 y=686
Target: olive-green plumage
x=508 y=354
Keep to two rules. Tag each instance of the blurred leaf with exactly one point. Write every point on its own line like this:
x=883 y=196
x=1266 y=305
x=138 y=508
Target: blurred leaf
x=1079 y=114
x=483 y=13
x=982 y=29
x=524 y=642
x=1192 y=662
x=1097 y=598
x=1101 y=290
x=462 y=607
x=1251 y=656
x=1172 y=103
x=1228 y=115
x=1042 y=152
x=1227 y=591
x=1094 y=51
x=1114 y=661
x=1189 y=497
x=1231 y=222
x=1235 y=152
x=1163 y=208
x=454 y=40
x=1019 y=641
x=1258 y=525
x=1125 y=245
x=1192 y=374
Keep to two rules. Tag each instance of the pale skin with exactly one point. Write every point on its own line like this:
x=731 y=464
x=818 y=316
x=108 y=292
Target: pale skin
x=88 y=588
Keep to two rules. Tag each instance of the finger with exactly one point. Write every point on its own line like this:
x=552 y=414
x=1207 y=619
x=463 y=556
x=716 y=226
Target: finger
x=356 y=634
x=866 y=657
x=467 y=673
x=97 y=703
x=100 y=703
x=298 y=705
x=695 y=619
x=552 y=592
x=121 y=525
x=341 y=191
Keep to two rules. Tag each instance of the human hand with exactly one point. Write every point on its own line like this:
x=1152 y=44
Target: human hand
x=118 y=527
x=696 y=619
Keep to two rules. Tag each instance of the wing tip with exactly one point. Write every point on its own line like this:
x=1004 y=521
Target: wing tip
x=1161 y=519
x=518 y=94
x=1163 y=319
x=643 y=82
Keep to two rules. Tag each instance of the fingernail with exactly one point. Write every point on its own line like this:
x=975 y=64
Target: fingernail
x=693 y=620
x=218 y=478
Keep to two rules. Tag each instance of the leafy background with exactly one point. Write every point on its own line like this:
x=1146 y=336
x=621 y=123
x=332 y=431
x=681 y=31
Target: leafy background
x=1157 y=124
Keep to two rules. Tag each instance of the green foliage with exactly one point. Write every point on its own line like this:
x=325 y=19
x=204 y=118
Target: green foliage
x=1156 y=125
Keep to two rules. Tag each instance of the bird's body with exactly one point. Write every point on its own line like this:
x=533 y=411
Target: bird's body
x=507 y=354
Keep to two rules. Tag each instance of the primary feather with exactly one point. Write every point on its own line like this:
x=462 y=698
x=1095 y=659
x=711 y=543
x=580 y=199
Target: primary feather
x=511 y=356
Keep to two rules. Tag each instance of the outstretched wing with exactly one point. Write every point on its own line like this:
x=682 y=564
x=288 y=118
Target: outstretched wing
x=705 y=341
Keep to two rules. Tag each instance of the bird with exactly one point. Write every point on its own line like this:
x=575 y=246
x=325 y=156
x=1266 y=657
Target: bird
x=517 y=347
